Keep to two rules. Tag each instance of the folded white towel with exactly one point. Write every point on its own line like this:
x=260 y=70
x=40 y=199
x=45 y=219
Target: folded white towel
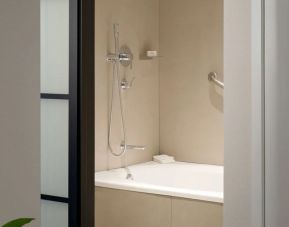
x=163 y=159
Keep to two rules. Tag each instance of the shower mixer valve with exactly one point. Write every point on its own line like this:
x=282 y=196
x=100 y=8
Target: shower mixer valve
x=125 y=84
x=124 y=57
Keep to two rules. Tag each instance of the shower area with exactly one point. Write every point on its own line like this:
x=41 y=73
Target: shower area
x=159 y=140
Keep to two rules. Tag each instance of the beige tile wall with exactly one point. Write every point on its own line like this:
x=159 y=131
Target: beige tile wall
x=139 y=29
x=189 y=35
x=191 y=109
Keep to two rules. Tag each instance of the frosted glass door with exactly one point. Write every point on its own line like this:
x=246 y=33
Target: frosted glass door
x=55 y=46
x=55 y=104
x=54 y=214
x=54 y=147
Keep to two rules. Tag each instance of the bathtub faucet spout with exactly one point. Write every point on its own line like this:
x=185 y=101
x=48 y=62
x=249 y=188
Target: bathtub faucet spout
x=129 y=175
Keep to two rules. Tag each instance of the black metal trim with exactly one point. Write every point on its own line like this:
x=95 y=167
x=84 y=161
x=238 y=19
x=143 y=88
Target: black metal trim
x=54 y=96
x=81 y=113
x=74 y=110
x=87 y=103
x=54 y=198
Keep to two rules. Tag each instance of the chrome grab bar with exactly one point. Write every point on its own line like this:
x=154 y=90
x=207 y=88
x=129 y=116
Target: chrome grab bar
x=213 y=77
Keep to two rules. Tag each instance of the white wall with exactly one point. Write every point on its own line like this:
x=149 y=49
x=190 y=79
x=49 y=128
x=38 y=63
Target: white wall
x=277 y=112
x=19 y=110
x=243 y=113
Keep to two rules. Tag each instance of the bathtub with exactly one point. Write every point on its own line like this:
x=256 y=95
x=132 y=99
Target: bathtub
x=178 y=179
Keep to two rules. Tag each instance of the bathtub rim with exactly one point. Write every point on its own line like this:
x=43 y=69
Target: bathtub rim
x=134 y=186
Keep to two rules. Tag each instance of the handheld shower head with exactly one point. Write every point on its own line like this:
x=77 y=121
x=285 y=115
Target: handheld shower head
x=116 y=30
x=116 y=37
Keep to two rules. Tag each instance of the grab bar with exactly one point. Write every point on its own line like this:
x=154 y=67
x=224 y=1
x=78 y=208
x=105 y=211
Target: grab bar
x=213 y=77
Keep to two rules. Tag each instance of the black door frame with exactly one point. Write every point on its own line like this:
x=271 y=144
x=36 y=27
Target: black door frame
x=81 y=136
x=81 y=115
x=87 y=114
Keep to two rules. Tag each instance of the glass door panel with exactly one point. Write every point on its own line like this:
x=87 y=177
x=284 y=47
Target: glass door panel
x=55 y=112
x=55 y=46
x=54 y=214
x=54 y=147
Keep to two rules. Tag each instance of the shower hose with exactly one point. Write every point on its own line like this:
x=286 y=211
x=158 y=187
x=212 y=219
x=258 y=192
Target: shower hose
x=116 y=81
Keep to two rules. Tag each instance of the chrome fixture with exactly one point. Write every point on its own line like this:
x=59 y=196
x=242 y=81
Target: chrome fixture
x=116 y=59
x=213 y=77
x=129 y=175
x=131 y=147
x=126 y=84
x=124 y=57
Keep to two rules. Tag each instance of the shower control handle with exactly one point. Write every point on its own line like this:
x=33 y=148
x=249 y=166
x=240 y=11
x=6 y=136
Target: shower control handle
x=126 y=84
x=122 y=57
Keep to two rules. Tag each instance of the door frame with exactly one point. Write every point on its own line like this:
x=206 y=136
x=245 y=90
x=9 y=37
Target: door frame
x=244 y=203
x=82 y=152
x=87 y=111
x=82 y=190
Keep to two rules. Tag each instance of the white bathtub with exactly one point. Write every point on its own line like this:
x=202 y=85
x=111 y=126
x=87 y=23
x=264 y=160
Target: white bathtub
x=178 y=179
